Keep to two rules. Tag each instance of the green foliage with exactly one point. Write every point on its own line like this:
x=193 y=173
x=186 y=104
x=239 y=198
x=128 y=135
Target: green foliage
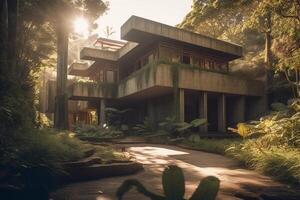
x=194 y=138
x=173 y=183
x=276 y=146
x=84 y=130
x=146 y=127
x=218 y=146
x=207 y=189
x=170 y=125
x=174 y=187
x=117 y=117
x=31 y=161
x=278 y=107
x=45 y=147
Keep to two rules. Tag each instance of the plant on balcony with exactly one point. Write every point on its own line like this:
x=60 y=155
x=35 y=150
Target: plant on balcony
x=174 y=187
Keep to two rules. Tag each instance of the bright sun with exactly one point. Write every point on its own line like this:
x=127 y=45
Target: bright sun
x=81 y=26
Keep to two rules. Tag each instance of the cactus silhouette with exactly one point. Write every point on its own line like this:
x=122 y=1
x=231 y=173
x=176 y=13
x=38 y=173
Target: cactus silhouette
x=174 y=187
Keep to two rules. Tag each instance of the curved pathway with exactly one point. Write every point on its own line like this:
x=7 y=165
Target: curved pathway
x=195 y=164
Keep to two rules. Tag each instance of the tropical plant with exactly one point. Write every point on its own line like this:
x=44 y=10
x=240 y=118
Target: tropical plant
x=172 y=126
x=117 y=117
x=85 y=130
x=275 y=147
x=146 y=127
x=174 y=187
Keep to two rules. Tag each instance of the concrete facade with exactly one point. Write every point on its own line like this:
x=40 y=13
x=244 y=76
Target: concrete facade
x=144 y=74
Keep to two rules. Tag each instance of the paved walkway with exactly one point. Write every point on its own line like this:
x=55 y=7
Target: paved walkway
x=155 y=158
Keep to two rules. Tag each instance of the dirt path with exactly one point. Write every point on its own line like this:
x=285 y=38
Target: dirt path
x=195 y=165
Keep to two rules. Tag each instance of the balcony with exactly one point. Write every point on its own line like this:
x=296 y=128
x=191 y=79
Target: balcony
x=85 y=90
x=157 y=76
x=164 y=75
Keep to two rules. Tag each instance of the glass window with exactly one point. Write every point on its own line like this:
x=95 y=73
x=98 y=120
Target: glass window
x=169 y=54
x=101 y=76
x=196 y=61
x=211 y=64
x=151 y=57
x=186 y=59
x=206 y=64
x=110 y=76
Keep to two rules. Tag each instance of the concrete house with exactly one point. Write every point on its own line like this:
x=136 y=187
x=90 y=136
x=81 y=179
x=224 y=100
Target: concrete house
x=161 y=71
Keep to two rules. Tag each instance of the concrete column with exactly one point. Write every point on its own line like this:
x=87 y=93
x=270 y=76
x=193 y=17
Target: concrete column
x=181 y=105
x=102 y=119
x=203 y=110
x=151 y=112
x=222 y=113
x=239 y=110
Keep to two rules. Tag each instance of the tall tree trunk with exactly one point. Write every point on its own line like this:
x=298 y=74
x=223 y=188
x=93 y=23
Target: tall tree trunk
x=3 y=38
x=268 y=40
x=12 y=7
x=61 y=99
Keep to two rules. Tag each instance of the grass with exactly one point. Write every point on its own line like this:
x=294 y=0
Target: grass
x=218 y=146
x=283 y=163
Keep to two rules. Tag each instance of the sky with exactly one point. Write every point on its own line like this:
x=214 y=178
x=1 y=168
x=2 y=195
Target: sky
x=169 y=12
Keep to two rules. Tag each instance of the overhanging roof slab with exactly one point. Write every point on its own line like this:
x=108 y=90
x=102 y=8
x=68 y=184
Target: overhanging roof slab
x=78 y=69
x=137 y=26
x=98 y=54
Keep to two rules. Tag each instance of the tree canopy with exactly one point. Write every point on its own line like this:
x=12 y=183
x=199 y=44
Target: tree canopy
x=28 y=43
x=268 y=29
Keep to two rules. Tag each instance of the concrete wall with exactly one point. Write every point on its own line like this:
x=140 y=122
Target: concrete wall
x=194 y=79
x=93 y=90
x=209 y=81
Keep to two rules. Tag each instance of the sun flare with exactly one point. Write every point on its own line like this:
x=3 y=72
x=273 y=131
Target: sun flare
x=81 y=26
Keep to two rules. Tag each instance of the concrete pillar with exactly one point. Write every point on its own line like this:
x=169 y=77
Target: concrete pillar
x=151 y=112
x=181 y=105
x=222 y=113
x=203 y=110
x=102 y=119
x=239 y=110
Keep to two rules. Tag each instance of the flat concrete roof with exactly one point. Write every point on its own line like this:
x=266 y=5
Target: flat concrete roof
x=96 y=54
x=78 y=69
x=141 y=30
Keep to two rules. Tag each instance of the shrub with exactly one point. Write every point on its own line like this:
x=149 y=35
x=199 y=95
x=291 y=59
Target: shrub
x=98 y=131
x=31 y=160
x=146 y=127
x=276 y=148
x=175 y=128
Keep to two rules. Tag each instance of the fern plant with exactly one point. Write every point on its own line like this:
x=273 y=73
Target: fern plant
x=146 y=127
x=171 y=125
x=174 y=187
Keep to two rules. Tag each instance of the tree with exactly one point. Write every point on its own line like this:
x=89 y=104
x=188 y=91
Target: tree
x=29 y=31
x=108 y=31
x=277 y=20
x=61 y=21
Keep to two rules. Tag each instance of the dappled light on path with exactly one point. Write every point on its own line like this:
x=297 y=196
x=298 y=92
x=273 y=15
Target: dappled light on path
x=195 y=165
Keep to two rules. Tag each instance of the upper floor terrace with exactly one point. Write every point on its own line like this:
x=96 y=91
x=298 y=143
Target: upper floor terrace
x=149 y=59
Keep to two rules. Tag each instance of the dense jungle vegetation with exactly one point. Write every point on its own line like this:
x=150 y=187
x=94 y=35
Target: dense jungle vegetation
x=30 y=39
